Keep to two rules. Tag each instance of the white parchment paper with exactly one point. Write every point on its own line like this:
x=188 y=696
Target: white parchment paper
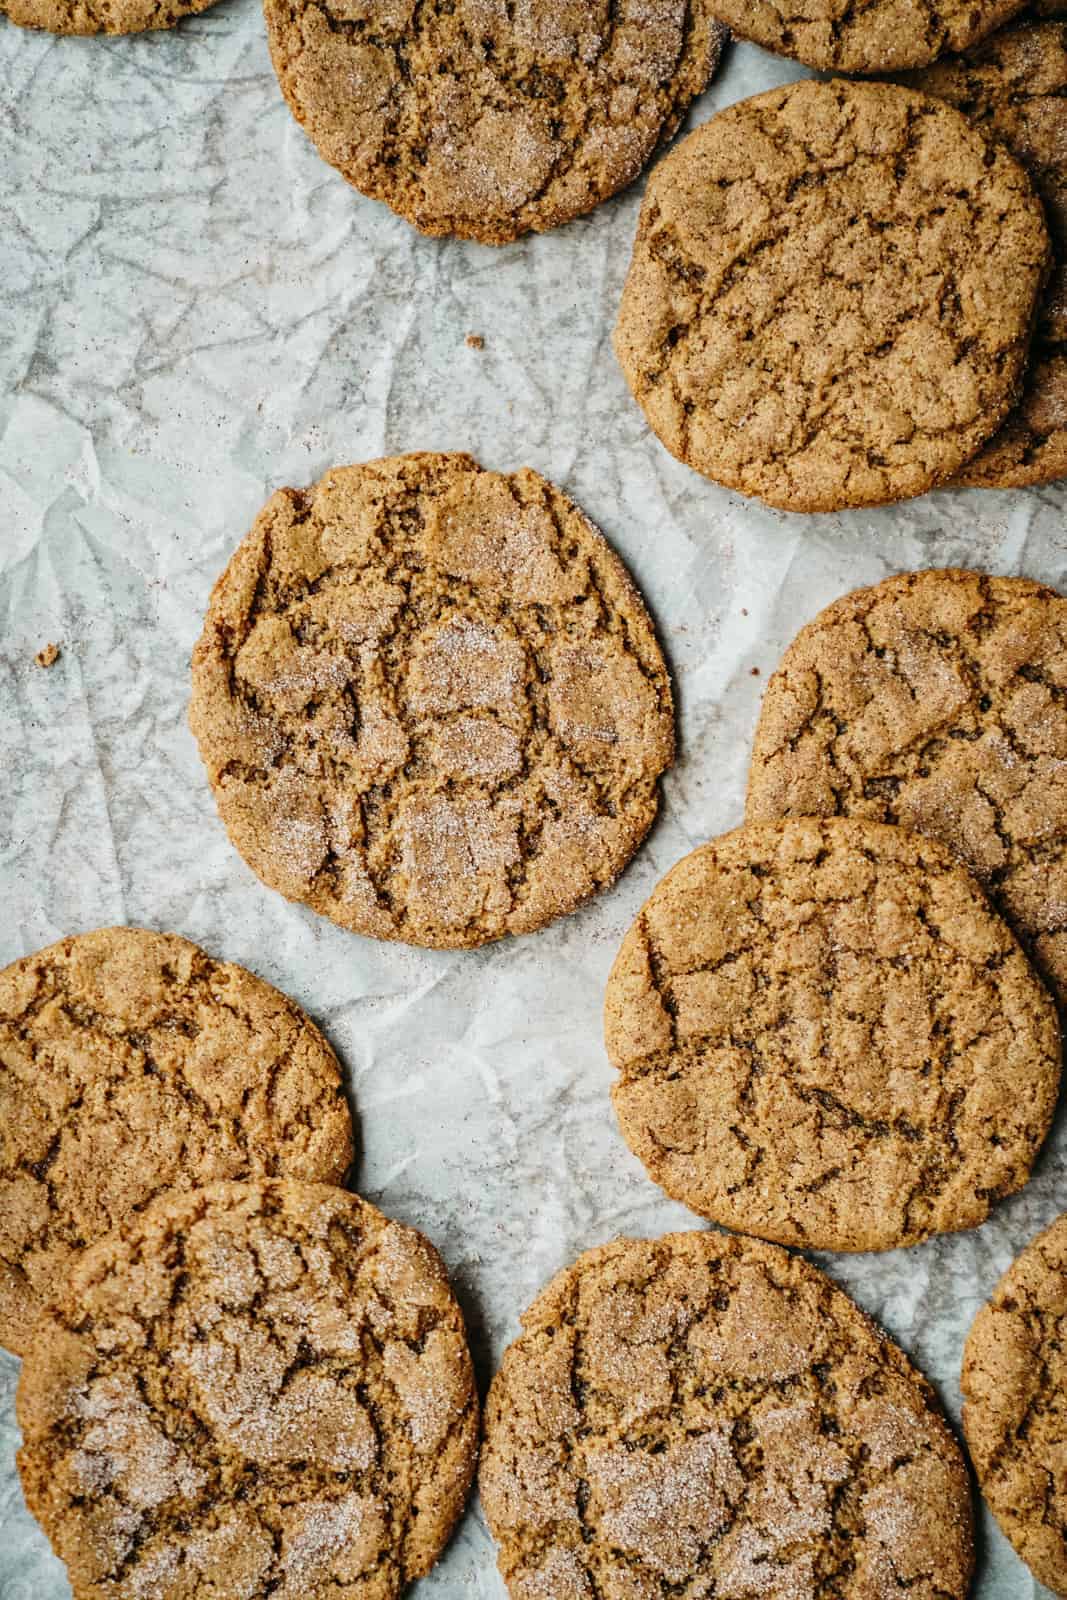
x=194 y=309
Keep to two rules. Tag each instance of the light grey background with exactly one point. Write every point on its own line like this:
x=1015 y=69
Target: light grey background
x=194 y=309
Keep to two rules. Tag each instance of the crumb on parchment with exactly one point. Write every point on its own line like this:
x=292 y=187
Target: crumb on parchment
x=475 y=341
x=47 y=656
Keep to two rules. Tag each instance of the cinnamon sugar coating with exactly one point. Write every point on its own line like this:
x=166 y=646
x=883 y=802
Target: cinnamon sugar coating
x=430 y=701
x=702 y=1415
x=251 y=1390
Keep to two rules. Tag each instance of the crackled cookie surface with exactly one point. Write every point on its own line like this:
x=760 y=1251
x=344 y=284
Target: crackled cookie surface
x=825 y=1036
x=702 y=1414
x=872 y=36
x=100 y=16
x=831 y=294
x=131 y=1062
x=430 y=701
x=935 y=700
x=253 y=1390
x=1014 y=86
x=1014 y=1381
x=485 y=119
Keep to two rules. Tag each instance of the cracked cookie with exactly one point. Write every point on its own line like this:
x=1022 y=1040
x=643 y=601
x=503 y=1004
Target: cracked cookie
x=873 y=36
x=936 y=700
x=825 y=1036
x=484 y=119
x=831 y=295
x=100 y=16
x=131 y=1062
x=702 y=1414
x=430 y=701
x=1014 y=86
x=1014 y=1380
x=254 y=1389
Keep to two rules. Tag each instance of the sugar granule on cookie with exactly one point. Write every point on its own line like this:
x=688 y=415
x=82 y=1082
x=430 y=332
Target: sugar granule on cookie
x=487 y=121
x=831 y=295
x=825 y=1036
x=702 y=1414
x=131 y=1062
x=255 y=1389
x=430 y=701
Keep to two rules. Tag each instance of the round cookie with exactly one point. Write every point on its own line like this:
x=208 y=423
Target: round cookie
x=825 y=1036
x=831 y=295
x=430 y=701
x=100 y=16
x=1014 y=86
x=879 y=36
x=487 y=120
x=254 y=1389
x=701 y=1414
x=935 y=700
x=1014 y=1379
x=131 y=1062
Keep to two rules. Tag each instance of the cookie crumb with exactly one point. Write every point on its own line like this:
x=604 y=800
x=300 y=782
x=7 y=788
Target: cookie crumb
x=475 y=341
x=754 y=672
x=48 y=656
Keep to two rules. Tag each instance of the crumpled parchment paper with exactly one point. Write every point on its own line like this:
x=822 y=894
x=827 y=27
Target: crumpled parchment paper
x=194 y=309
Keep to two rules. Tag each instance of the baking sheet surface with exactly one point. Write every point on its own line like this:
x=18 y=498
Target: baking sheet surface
x=194 y=309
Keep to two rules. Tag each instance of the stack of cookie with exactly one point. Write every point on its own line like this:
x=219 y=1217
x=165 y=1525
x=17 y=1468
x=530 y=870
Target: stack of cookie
x=238 y=1380
x=832 y=1030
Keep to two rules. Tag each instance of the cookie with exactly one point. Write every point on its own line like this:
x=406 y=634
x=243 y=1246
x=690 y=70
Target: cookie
x=1014 y=1375
x=935 y=700
x=1013 y=86
x=704 y=1415
x=488 y=120
x=256 y=1389
x=826 y=1037
x=831 y=295
x=100 y=16
x=131 y=1062
x=884 y=36
x=430 y=701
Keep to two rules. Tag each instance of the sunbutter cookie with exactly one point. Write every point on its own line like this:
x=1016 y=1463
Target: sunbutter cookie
x=935 y=700
x=484 y=119
x=100 y=16
x=252 y=1390
x=704 y=1415
x=831 y=294
x=1014 y=87
x=131 y=1062
x=1014 y=1381
x=430 y=701
x=825 y=1036
x=875 y=36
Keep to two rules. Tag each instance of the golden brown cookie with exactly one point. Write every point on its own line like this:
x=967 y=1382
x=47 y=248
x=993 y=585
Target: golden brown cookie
x=430 y=701
x=1013 y=86
x=1014 y=1381
x=935 y=700
x=825 y=1036
x=100 y=16
x=831 y=295
x=878 y=36
x=255 y=1389
x=703 y=1415
x=131 y=1062
x=484 y=119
